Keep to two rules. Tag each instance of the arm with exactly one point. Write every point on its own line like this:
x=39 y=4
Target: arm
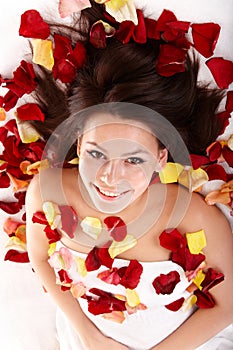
x=206 y=323
x=38 y=253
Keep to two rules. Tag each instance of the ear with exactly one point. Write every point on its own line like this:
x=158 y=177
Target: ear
x=78 y=145
x=162 y=160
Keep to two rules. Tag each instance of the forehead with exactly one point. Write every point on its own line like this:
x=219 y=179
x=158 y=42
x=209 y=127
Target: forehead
x=105 y=128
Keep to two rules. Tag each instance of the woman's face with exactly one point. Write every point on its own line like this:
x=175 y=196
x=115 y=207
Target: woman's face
x=117 y=159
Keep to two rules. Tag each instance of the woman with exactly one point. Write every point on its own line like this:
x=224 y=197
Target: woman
x=112 y=257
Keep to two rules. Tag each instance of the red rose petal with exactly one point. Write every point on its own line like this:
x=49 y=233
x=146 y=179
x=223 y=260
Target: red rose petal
x=39 y=217
x=229 y=101
x=165 y=283
x=214 y=151
x=125 y=31
x=69 y=220
x=104 y=256
x=165 y=17
x=228 y=155
x=79 y=54
x=4 y=180
x=98 y=36
x=172 y=240
x=92 y=261
x=52 y=235
x=110 y=276
x=10 y=207
x=33 y=26
x=224 y=119
x=205 y=37
x=204 y=300
x=64 y=278
x=64 y=70
x=10 y=100
x=105 y=303
x=222 y=71
x=212 y=278
x=15 y=256
x=132 y=275
x=198 y=161
x=170 y=60
x=175 y=305
x=62 y=47
x=150 y=28
x=139 y=33
x=216 y=172
x=116 y=227
x=30 y=111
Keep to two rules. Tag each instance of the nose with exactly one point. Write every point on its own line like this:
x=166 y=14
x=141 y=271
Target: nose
x=111 y=172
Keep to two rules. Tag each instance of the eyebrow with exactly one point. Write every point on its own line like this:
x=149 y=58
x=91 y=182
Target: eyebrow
x=137 y=151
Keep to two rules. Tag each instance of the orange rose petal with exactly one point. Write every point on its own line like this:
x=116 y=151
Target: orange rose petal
x=34 y=168
x=21 y=233
x=10 y=226
x=218 y=197
x=115 y=316
x=17 y=184
x=227 y=187
x=2 y=114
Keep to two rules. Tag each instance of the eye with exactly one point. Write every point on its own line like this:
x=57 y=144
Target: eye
x=135 y=160
x=96 y=154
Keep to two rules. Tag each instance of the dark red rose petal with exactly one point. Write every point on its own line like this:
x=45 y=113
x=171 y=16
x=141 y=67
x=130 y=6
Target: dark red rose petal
x=216 y=172
x=10 y=100
x=175 y=305
x=229 y=101
x=116 y=227
x=132 y=275
x=228 y=155
x=165 y=17
x=212 y=278
x=198 y=161
x=104 y=256
x=33 y=26
x=62 y=47
x=98 y=36
x=64 y=278
x=30 y=111
x=205 y=37
x=139 y=33
x=4 y=180
x=15 y=256
x=214 y=151
x=222 y=71
x=204 y=300
x=92 y=261
x=224 y=120
x=78 y=56
x=10 y=207
x=150 y=28
x=105 y=303
x=125 y=31
x=165 y=283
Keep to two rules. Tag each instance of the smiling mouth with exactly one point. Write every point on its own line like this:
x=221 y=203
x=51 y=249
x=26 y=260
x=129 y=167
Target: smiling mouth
x=108 y=194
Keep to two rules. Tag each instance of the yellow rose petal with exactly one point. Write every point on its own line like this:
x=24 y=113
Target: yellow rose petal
x=193 y=179
x=52 y=213
x=26 y=132
x=189 y=302
x=52 y=248
x=170 y=173
x=74 y=161
x=16 y=243
x=21 y=232
x=43 y=53
x=119 y=247
x=199 y=279
x=81 y=266
x=34 y=168
x=122 y=10
x=132 y=297
x=91 y=226
x=196 y=241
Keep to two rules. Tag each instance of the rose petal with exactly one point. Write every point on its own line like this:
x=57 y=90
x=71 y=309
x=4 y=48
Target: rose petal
x=172 y=240
x=229 y=101
x=216 y=172
x=117 y=248
x=14 y=255
x=132 y=274
x=10 y=226
x=204 y=300
x=121 y=10
x=196 y=241
x=110 y=276
x=222 y=71
x=69 y=220
x=81 y=267
x=205 y=37
x=33 y=26
x=212 y=278
x=228 y=155
x=91 y=226
x=175 y=305
x=165 y=283
x=193 y=179
x=217 y=196
x=68 y=7
x=51 y=211
x=26 y=132
x=98 y=35
x=4 y=180
x=132 y=297
x=64 y=70
x=115 y=316
x=170 y=172
x=2 y=114
x=43 y=53
x=116 y=227
x=78 y=289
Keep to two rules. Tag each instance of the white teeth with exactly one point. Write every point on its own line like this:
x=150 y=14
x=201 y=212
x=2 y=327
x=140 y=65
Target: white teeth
x=109 y=194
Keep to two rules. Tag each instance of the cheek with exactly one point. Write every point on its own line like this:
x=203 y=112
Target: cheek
x=88 y=167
